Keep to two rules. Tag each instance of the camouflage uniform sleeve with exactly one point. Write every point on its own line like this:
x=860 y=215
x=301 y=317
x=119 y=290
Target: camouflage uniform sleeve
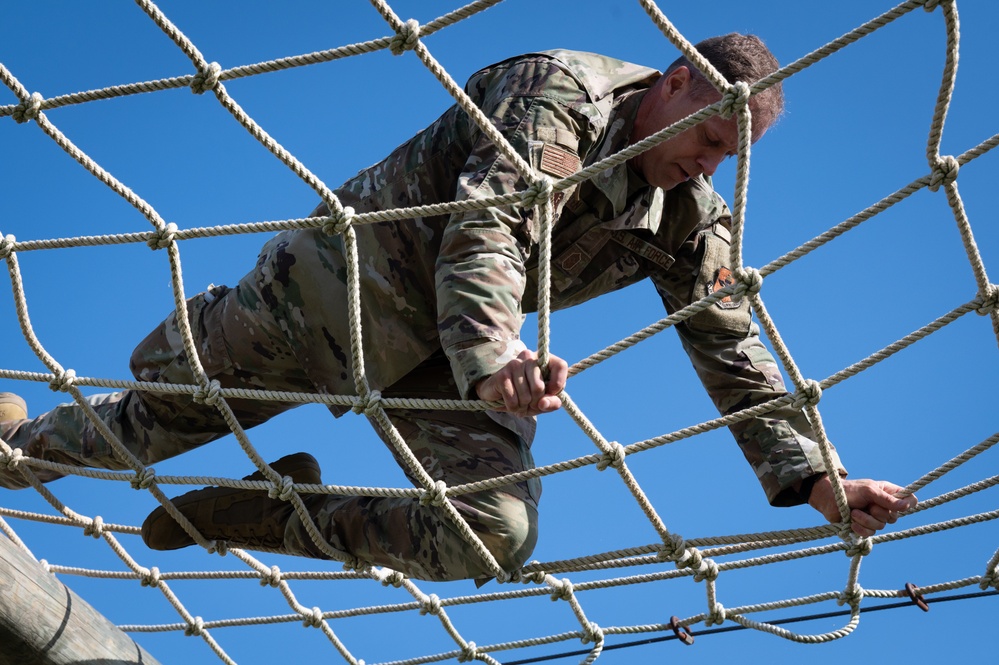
x=480 y=273
x=739 y=372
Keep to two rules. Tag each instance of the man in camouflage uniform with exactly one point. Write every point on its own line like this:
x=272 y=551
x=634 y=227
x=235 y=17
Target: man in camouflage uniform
x=443 y=300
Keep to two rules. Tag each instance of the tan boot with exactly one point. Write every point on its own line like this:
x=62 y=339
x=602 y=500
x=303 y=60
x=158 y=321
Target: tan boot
x=12 y=407
x=244 y=518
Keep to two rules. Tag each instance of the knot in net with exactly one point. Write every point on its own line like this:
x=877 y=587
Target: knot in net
x=406 y=38
x=809 y=395
x=162 y=238
x=945 y=172
x=734 y=99
x=208 y=395
x=339 y=221
x=614 y=457
x=6 y=246
x=750 y=278
x=537 y=192
x=28 y=109
x=206 y=79
x=62 y=381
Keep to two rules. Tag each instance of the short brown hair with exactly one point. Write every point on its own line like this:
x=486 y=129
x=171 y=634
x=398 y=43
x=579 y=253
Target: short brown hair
x=739 y=57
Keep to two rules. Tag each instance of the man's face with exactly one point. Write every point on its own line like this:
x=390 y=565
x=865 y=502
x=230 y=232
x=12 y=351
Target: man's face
x=693 y=152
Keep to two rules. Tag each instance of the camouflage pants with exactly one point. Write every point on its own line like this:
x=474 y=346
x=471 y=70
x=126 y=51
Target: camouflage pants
x=243 y=345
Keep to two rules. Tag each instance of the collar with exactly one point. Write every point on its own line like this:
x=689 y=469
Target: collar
x=620 y=184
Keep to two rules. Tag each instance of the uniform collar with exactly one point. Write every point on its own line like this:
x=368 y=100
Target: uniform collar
x=620 y=184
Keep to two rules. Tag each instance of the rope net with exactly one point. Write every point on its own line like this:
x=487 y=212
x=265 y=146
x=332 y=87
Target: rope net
x=318 y=595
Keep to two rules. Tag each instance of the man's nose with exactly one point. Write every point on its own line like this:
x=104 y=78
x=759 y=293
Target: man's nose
x=709 y=163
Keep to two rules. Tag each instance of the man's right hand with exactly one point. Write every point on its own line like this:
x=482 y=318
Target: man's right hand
x=872 y=503
x=522 y=388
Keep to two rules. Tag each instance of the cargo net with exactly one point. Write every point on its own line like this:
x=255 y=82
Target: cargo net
x=701 y=561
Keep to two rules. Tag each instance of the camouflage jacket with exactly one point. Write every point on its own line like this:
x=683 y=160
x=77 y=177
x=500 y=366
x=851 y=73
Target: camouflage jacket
x=463 y=282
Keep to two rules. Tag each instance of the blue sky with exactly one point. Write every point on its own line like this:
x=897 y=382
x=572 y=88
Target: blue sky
x=855 y=132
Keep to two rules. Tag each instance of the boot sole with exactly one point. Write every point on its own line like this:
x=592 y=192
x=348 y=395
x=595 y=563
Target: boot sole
x=160 y=531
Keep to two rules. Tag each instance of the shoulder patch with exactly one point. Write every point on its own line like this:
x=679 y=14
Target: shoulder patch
x=723 y=278
x=558 y=161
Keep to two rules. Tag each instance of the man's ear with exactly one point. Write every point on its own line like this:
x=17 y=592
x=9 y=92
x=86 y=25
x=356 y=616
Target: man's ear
x=675 y=82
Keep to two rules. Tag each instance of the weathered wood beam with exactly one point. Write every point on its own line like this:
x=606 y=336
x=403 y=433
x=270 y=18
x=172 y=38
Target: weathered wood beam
x=42 y=622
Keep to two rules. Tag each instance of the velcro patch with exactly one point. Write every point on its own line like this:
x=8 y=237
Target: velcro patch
x=557 y=161
x=644 y=249
x=723 y=279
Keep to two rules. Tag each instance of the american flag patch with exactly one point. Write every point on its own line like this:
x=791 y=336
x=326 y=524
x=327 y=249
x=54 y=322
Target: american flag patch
x=557 y=161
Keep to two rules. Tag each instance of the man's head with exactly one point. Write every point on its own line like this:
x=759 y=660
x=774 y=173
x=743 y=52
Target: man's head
x=683 y=90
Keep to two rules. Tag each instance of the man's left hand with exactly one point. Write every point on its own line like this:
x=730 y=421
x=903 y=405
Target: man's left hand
x=522 y=388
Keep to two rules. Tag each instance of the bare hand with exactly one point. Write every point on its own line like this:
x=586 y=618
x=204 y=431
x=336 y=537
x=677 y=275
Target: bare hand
x=522 y=388
x=873 y=503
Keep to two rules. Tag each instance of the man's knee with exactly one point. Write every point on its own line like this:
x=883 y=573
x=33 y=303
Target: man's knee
x=508 y=527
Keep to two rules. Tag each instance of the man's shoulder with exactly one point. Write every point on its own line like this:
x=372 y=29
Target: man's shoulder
x=600 y=74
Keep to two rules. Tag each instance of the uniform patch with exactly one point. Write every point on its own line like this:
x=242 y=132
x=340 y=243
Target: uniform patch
x=644 y=249
x=557 y=161
x=724 y=278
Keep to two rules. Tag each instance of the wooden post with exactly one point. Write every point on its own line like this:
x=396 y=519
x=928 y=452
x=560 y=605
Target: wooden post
x=42 y=622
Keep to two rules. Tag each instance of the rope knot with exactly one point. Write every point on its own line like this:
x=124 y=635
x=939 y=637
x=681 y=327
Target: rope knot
x=339 y=221
x=669 y=549
x=860 y=547
x=592 y=633
x=313 y=619
x=716 y=617
x=690 y=558
x=220 y=547
x=406 y=38
x=284 y=491
x=932 y=4
x=991 y=579
x=990 y=300
x=750 y=278
x=63 y=381
x=195 y=628
x=435 y=496
x=369 y=404
x=206 y=79
x=6 y=246
x=12 y=459
x=162 y=238
x=430 y=605
x=468 y=652
x=537 y=577
x=561 y=589
x=734 y=99
x=95 y=528
x=613 y=457
x=537 y=192
x=944 y=172
x=143 y=479
x=809 y=395
x=851 y=597
x=150 y=577
x=707 y=571
x=395 y=578
x=209 y=395
x=28 y=109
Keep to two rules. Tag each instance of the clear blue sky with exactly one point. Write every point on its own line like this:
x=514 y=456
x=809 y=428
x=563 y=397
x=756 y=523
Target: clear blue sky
x=855 y=132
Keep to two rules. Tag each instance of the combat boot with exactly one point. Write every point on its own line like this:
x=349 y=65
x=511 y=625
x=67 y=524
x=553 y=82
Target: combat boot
x=244 y=518
x=12 y=407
